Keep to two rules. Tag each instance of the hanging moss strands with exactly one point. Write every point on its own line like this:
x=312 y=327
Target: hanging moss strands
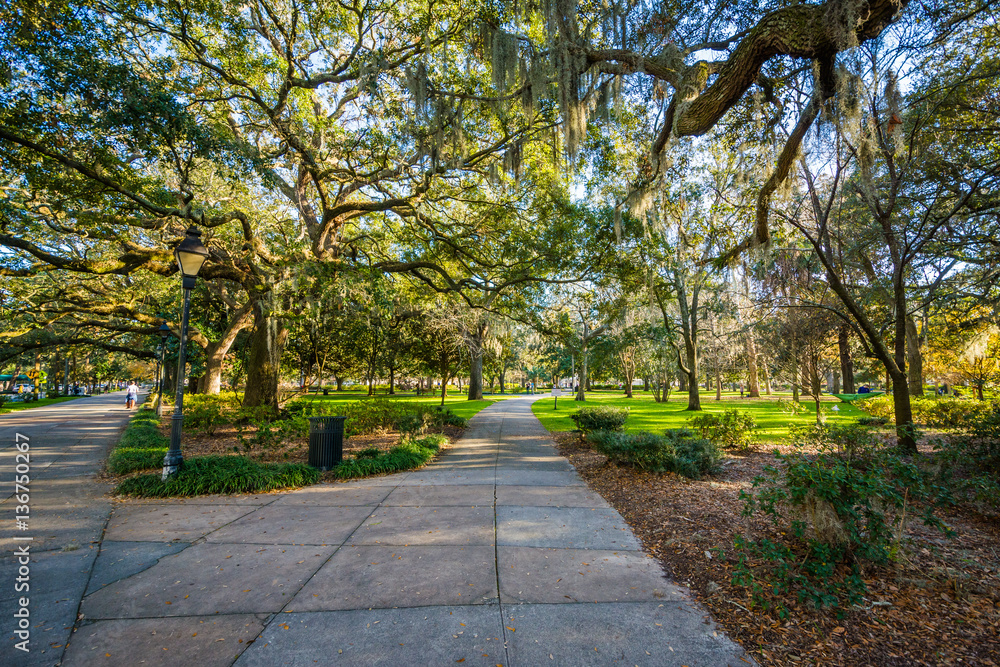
x=504 y=60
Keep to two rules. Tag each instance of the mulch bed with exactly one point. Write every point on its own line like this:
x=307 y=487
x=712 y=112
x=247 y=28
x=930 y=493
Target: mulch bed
x=937 y=605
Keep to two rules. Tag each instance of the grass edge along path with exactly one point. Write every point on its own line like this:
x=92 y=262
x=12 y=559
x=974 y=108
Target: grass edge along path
x=17 y=406
x=645 y=414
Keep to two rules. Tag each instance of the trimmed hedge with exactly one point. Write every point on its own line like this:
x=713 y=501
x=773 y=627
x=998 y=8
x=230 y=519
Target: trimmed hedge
x=221 y=475
x=141 y=447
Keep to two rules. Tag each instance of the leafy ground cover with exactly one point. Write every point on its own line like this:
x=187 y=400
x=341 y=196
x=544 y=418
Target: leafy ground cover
x=220 y=474
x=935 y=602
x=771 y=414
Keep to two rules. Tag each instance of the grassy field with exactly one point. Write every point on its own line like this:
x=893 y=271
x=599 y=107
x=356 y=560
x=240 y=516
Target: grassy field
x=647 y=415
x=457 y=403
x=14 y=407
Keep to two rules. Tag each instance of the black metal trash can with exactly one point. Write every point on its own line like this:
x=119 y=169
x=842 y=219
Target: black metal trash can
x=326 y=441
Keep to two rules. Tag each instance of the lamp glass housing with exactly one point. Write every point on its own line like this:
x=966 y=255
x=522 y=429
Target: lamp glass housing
x=190 y=253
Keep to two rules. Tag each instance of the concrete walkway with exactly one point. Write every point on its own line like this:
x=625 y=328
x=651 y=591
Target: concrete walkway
x=68 y=445
x=496 y=554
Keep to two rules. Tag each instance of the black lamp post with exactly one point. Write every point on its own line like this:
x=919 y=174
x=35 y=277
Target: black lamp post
x=190 y=255
x=161 y=367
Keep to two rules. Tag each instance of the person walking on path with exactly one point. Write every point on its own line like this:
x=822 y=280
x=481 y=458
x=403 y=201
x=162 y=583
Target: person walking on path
x=131 y=395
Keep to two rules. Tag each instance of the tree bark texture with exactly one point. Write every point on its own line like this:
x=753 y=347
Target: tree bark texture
x=914 y=359
x=267 y=342
x=846 y=362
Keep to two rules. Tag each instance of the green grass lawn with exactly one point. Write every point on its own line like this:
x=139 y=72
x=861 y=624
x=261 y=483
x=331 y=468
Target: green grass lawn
x=457 y=403
x=14 y=407
x=647 y=415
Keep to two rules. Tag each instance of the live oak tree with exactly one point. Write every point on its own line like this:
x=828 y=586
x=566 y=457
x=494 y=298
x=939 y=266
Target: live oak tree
x=879 y=218
x=322 y=112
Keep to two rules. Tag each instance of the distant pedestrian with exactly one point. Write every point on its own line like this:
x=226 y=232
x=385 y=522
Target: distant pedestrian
x=131 y=395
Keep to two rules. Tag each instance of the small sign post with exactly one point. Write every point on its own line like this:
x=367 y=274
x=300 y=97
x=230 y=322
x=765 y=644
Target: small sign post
x=555 y=396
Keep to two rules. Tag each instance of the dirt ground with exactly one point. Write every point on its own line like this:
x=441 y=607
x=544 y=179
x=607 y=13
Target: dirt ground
x=937 y=605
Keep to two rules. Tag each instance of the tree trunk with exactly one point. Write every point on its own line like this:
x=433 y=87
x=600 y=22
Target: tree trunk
x=584 y=359
x=503 y=380
x=836 y=383
x=914 y=360
x=694 y=395
x=718 y=378
x=211 y=381
x=476 y=363
x=339 y=381
x=904 y=414
x=795 y=372
x=753 y=379
x=267 y=342
x=846 y=362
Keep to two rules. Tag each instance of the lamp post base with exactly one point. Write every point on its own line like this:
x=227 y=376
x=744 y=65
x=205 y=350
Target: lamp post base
x=172 y=463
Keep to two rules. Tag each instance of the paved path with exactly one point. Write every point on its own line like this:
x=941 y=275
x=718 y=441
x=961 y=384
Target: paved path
x=69 y=507
x=496 y=554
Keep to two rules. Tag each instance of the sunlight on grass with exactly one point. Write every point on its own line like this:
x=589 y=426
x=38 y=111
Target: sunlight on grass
x=647 y=415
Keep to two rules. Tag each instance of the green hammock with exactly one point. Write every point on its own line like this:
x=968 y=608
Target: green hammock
x=850 y=398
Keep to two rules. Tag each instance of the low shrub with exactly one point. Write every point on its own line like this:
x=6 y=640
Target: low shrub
x=600 y=418
x=406 y=456
x=222 y=475
x=269 y=434
x=843 y=506
x=141 y=447
x=848 y=439
x=972 y=463
x=936 y=412
x=643 y=450
x=378 y=415
x=872 y=421
x=695 y=456
x=731 y=429
x=678 y=450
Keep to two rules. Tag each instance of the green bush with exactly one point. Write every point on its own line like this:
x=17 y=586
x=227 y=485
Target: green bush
x=971 y=462
x=141 y=447
x=600 y=418
x=377 y=415
x=406 y=456
x=849 y=439
x=643 y=450
x=936 y=412
x=872 y=421
x=731 y=429
x=269 y=434
x=695 y=456
x=843 y=506
x=678 y=450
x=207 y=416
x=223 y=475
